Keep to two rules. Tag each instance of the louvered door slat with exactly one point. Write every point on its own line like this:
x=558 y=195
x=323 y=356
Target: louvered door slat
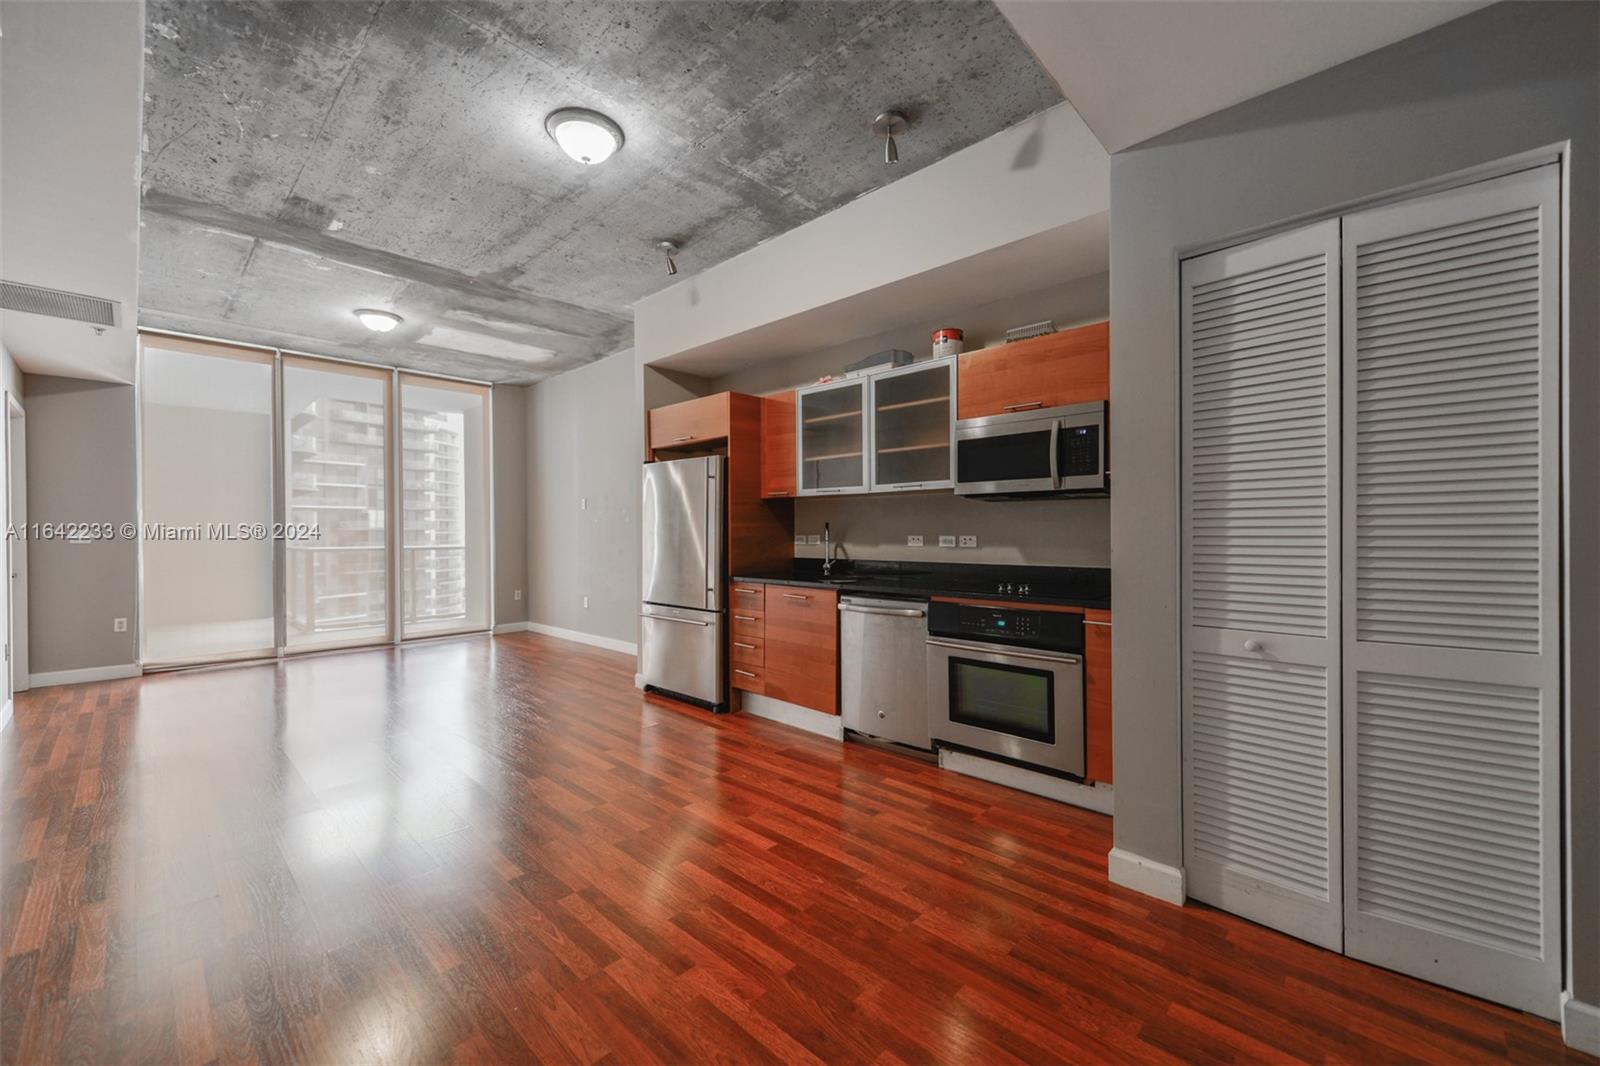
x=1260 y=360
x=1450 y=554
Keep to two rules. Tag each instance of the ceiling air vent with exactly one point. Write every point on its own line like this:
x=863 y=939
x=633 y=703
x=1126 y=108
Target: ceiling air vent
x=15 y=296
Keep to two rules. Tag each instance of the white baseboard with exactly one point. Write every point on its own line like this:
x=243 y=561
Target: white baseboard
x=511 y=627
x=79 y=677
x=638 y=681
x=1047 y=785
x=784 y=713
x=627 y=647
x=1580 y=1024
x=1146 y=875
x=5 y=716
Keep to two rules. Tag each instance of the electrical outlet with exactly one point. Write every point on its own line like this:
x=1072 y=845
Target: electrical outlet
x=799 y=540
x=968 y=540
x=946 y=541
x=813 y=538
x=914 y=541
x=517 y=595
x=586 y=603
x=583 y=503
x=119 y=625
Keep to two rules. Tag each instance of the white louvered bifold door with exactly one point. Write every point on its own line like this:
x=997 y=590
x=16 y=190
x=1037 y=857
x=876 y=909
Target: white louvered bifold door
x=1451 y=557
x=1260 y=640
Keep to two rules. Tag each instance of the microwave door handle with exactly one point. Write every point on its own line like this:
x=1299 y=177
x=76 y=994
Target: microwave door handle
x=1055 y=434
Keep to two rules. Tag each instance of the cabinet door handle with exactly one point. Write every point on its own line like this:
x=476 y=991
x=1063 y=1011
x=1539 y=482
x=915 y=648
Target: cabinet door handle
x=746 y=647
x=748 y=592
x=744 y=673
x=752 y=618
x=795 y=596
x=778 y=492
x=1030 y=405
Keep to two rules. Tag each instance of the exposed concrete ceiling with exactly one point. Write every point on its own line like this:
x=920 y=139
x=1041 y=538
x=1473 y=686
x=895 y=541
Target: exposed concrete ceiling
x=304 y=159
x=1136 y=69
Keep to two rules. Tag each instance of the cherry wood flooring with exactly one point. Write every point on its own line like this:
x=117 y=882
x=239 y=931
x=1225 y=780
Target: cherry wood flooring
x=496 y=850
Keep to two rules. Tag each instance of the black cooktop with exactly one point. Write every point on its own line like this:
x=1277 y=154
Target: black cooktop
x=1069 y=585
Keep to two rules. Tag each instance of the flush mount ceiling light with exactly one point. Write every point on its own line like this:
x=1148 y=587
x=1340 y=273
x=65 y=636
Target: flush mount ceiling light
x=587 y=136
x=669 y=249
x=887 y=125
x=378 y=321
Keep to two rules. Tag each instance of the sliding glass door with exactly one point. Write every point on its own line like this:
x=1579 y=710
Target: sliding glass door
x=444 y=526
x=292 y=503
x=336 y=463
x=207 y=489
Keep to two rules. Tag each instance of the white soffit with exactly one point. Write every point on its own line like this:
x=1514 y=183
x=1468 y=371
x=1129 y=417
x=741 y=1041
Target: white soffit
x=70 y=78
x=1138 y=68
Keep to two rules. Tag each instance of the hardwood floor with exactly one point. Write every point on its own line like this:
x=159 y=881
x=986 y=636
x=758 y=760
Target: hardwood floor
x=497 y=850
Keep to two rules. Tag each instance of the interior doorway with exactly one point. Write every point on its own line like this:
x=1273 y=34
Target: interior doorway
x=16 y=584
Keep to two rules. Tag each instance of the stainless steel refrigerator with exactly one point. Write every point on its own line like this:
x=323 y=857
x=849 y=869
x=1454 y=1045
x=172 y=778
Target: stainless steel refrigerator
x=681 y=646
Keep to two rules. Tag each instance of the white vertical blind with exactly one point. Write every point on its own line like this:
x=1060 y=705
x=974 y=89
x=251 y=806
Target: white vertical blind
x=444 y=530
x=1451 y=563
x=206 y=418
x=1261 y=769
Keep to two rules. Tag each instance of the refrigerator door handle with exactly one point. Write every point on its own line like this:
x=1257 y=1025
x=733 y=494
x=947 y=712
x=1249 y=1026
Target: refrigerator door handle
x=680 y=621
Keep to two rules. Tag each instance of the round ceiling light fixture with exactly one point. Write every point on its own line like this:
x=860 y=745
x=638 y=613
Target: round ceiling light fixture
x=585 y=135
x=378 y=321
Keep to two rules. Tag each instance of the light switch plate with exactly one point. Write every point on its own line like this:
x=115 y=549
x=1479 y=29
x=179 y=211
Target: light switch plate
x=968 y=540
x=946 y=541
x=914 y=541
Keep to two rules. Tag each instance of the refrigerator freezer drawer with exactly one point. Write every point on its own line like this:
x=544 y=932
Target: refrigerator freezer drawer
x=681 y=652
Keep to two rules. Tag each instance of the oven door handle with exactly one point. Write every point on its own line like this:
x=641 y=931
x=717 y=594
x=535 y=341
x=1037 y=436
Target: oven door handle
x=1055 y=436
x=1006 y=651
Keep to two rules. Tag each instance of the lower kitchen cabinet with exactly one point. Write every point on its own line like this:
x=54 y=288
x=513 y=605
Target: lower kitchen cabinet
x=789 y=650
x=1097 y=695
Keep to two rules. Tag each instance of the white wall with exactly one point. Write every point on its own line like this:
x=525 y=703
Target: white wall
x=1502 y=81
x=70 y=113
x=510 y=412
x=585 y=447
x=1045 y=173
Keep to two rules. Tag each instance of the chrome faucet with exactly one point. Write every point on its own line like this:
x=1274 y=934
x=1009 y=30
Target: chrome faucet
x=827 y=550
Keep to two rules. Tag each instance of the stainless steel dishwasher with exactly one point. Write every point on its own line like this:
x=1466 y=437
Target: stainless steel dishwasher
x=883 y=668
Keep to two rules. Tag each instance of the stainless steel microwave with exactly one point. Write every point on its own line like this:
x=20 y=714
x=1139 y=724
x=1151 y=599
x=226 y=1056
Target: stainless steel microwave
x=1055 y=451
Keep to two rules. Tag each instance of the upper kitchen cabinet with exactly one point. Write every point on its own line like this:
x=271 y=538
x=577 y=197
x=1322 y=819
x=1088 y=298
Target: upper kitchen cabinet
x=691 y=423
x=833 y=438
x=1070 y=366
x=777 y=446
x=912 y=410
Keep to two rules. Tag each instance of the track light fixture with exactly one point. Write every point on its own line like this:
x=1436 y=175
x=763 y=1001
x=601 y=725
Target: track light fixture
x=669 y=249
x=887 y=125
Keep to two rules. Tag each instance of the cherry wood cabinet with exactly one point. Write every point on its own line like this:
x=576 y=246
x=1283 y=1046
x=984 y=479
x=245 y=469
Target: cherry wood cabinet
x=1097 y=694
x=692 y=423
x=777 y=446
x=1070 y=366
x=790 y=649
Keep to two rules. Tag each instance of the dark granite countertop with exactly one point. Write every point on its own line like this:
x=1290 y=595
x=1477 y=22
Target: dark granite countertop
x=1059 y=585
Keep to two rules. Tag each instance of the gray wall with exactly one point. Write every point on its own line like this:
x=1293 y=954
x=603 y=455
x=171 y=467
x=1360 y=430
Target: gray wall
x=585 y=445
x=1505 y=80
x=1035 y=532
x=80 y=469
x=510 y=413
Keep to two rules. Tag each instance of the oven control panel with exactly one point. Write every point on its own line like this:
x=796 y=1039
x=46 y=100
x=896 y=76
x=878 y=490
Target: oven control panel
x=1054 y=630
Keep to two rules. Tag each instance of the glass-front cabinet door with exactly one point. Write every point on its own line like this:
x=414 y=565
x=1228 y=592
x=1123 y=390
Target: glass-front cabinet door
x=833 y=438
x=912 y=410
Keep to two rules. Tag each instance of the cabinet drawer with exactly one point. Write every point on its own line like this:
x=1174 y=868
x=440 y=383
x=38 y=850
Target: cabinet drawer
x=748 y=600
x=745 y=624
x=747 y=651
x=746 y=679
